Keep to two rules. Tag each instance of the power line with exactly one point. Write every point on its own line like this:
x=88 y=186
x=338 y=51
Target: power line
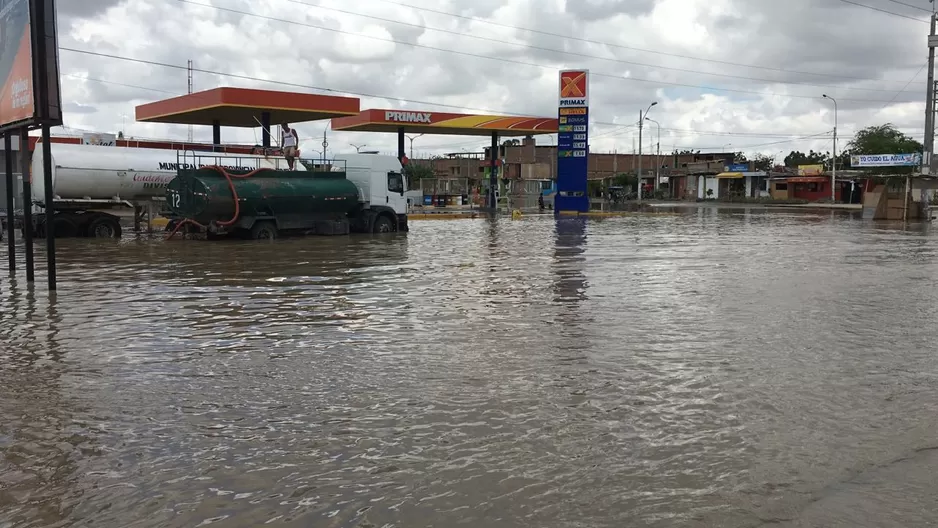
x=618 y=46
x=518 y=62
x=920 y=8
x=103 y=81
x=297 y=85
x=881 y=10
x=618 y=126
x=919 y=72
x=571 y=53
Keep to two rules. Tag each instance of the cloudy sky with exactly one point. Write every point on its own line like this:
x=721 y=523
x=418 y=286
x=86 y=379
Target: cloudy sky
x=727 y=74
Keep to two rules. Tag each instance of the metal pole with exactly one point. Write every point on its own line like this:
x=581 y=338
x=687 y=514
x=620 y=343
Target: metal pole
x=930 y=101
x=493 y=177
x=834 y=161
x=657 y=151
x=658 y=157
x=50 y=213
x=906 y=199
x=11 y=231
x=641 y=121
x=27 y=204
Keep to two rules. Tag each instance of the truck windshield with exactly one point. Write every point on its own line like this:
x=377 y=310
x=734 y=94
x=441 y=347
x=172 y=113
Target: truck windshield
x=395 y=182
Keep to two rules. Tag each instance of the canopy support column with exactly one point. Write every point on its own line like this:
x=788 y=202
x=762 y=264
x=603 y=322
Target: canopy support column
x=400 y=144
x=493 y=173
x=265 y=134
x=216 y=135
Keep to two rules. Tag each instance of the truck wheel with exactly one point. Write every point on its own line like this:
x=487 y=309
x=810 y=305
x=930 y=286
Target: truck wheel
x=103 y=227
x=64 y=227
x=264 y=231
x=383 y=225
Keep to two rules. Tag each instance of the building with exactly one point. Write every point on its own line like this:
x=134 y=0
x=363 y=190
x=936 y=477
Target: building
x=528 y=161
x=812 y=183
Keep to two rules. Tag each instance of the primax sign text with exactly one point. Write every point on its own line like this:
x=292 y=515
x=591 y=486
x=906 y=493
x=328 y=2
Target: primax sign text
x=409 y=117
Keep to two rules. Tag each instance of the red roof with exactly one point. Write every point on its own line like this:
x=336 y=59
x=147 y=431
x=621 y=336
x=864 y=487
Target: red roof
x=241 y=107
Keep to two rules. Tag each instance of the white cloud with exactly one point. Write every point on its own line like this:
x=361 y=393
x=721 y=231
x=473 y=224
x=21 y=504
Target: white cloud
x=744 y=73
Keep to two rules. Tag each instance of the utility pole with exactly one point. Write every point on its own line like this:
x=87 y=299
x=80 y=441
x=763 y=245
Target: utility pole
x=633 y=154
x=930 y=97
x=834 y=160
x=657 y=152
x=190 y=91
x=325 y=145
x=641 y=123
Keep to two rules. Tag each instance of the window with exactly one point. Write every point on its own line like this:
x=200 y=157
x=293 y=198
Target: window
x=395 y=182
x=781 y=186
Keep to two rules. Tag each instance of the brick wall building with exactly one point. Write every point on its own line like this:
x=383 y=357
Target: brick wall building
x=530 y=161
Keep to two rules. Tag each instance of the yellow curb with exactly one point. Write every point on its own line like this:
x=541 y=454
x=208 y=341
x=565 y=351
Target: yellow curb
x=442 y=216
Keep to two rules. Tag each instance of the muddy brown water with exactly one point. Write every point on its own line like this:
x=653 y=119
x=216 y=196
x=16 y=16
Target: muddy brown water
x=721 y=367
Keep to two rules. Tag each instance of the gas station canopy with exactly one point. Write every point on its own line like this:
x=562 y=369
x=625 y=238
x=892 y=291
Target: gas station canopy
x=413 y=121
x=242 y=107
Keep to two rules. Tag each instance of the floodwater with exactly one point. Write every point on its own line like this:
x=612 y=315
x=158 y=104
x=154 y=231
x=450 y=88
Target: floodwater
x=732 y=368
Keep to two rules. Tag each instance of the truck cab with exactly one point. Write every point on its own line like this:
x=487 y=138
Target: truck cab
x=381 y=184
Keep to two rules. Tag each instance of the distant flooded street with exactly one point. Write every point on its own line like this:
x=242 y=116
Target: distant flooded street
x=718 y=367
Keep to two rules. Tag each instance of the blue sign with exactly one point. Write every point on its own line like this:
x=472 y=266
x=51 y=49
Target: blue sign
x=573 y=142
x=737 y=167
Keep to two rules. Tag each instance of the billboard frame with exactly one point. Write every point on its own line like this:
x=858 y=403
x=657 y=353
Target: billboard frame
x=37 y=31
x=44 y=82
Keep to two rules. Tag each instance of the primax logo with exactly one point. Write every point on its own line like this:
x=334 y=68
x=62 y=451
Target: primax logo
x=408 y=117
x=573 y=102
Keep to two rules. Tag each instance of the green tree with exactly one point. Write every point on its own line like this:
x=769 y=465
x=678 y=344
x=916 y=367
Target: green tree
x=416 y=172
x=763 y=162
x=796 y=157
x=739 y=157
x=884 y=139
x=625 y=180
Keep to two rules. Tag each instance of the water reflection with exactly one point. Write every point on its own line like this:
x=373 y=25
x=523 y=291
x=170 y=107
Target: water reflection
x=569 y=247
x=41 y=439
x=711 y=368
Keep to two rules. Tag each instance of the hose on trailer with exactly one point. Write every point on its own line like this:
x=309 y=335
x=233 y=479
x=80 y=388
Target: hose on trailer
x=234 y=196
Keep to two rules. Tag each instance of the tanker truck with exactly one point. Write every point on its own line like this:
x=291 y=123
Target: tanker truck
x=92 y=182
x=354 y=193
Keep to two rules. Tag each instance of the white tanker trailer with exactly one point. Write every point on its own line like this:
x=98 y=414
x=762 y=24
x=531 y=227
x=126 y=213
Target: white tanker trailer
x=89 y=180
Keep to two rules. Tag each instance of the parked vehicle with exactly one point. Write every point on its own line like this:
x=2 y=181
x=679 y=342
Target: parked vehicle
x=360 y=193
x=93 y=184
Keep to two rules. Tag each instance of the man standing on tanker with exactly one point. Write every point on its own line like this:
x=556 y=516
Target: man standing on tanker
x=289 y=144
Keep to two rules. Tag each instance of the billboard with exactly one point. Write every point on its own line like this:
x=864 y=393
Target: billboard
x=29 y=56
x=573 y=142
x=886 y=160
x=811 y=170
x=98 y=138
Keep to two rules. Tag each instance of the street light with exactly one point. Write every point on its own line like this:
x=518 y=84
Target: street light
x=657 y=153
x=412 y=138
x=641 y=122
x=834 y=160
x=358 y=148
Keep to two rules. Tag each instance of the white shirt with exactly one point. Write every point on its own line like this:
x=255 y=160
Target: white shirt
x=289 y=140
